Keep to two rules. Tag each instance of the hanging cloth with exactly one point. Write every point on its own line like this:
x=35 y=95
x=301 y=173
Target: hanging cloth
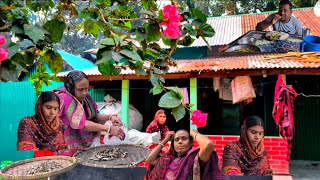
x=283 y=111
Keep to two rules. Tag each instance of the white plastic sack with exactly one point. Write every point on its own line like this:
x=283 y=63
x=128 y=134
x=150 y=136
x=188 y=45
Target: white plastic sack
x=140 y=138
x=114 y=140
x=111 y=106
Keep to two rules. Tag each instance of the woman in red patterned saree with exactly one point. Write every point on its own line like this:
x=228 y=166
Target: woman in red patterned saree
x=247 y=156
x=42 y=131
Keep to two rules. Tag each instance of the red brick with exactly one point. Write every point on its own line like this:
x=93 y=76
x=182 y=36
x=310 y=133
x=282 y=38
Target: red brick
x=267 y=139
x=215 y=138
x=230 y=138
x=284 y=144
x=271 y=144
x=279 y=157
x=223 y=143
x=279 y=148
x=277 y=140
x=274 y=162
x=267 y=148
x=271 y=153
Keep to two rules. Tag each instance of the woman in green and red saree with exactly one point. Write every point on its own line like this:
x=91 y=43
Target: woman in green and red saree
x=80 y=115
x=184 y=162
x=42 y=132
x=247 y=157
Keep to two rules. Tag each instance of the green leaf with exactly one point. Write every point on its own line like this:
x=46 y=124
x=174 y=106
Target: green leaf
x=207 y=30
x=55 y=28
x=107 y=68
x=35 y=32
x=169 y=100
x=155 y=79
x=196 y=23
x=54 y=61
x=145 y=4
x=128 y=24
x=17 y=29
x=104 y=55
x=92 y=27
x=131 y=54
x=190 y=30
x=147 y=12
x=160 y=13
x=107 y=41
x=178 y=112
x=199 y=15
x=153 y=32
x=116 y=56
x=141 y=34
x=186 y=41
x=167 y=41
x=140 y=71
x=9 y=71
x=157 y=89
x=176 y=90
x=13 y=49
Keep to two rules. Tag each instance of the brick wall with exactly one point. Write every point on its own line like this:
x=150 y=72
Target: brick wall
x=276 y=148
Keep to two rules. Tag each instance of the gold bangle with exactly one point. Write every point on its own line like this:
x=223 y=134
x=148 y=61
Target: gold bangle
x=161 y=144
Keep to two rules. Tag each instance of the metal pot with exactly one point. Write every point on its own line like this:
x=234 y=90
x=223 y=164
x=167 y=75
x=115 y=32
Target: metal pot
x=244 y=48
x=247 y=40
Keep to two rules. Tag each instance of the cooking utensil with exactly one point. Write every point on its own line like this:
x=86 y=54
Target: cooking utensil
x=247 y=40
x=244 y=48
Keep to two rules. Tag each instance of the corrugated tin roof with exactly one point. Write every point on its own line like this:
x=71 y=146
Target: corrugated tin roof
x=75 y=61
x=223 y=63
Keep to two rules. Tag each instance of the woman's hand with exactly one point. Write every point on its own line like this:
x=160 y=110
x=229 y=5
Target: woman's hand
x=168 y=137
x=117 y=131
x=115 y=120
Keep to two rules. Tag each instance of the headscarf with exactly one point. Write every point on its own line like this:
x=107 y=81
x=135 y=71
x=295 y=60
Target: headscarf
x=47 y=127
x=156 y=127
x=252 y=152
x=72 y=78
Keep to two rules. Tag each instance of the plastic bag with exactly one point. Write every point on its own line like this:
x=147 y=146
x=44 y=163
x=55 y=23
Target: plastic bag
x=142 y=138
x=242 y=89
x=114 y=140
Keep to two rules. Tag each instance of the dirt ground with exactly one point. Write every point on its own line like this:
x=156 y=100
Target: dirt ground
x=305 y=170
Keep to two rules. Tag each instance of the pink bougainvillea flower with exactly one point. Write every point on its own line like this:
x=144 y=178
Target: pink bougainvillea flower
x=199 y=119
x=171 y=23
x=3 y=54
x=2 y=40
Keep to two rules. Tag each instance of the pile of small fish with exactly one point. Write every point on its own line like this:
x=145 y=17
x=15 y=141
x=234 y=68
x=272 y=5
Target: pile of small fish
x=43 y=167
x=109 y=154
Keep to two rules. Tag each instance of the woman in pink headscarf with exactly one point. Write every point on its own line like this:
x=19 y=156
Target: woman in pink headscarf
x=159 y=124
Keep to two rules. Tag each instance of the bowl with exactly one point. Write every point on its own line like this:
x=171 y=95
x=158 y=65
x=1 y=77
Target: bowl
x=247 y=48
x=247 y=40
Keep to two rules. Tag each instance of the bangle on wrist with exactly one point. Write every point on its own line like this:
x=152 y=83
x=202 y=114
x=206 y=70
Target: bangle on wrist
x=161 y=144
x=109 y=128
x=111 y=116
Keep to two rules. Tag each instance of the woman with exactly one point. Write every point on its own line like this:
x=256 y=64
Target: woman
x=158 y=124
x=80 y=115
x=42 y=131
x=184 y=162
x=247 y=156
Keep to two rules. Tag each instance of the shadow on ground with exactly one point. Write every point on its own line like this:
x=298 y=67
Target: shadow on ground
x=306 y=170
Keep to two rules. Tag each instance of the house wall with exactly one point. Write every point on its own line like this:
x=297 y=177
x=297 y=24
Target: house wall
x=276 y=148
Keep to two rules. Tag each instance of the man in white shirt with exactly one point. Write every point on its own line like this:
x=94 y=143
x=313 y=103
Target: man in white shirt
x=282 y=21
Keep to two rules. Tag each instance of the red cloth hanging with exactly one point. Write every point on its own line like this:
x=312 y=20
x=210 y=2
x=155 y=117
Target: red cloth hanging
x=283 y=111
x=41 y=153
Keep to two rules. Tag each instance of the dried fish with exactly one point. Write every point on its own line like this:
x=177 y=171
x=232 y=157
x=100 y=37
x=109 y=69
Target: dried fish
x=109 y=154
x=47 y=166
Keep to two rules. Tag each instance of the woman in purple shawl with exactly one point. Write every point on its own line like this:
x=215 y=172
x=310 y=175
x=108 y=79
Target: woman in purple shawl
x=184 y=162
x=80 y=116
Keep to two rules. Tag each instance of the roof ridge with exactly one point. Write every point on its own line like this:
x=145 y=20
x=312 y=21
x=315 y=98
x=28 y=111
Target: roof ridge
x=265 y=12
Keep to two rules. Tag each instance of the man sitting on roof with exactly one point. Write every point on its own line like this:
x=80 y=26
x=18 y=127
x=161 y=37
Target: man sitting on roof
x=282 y=21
